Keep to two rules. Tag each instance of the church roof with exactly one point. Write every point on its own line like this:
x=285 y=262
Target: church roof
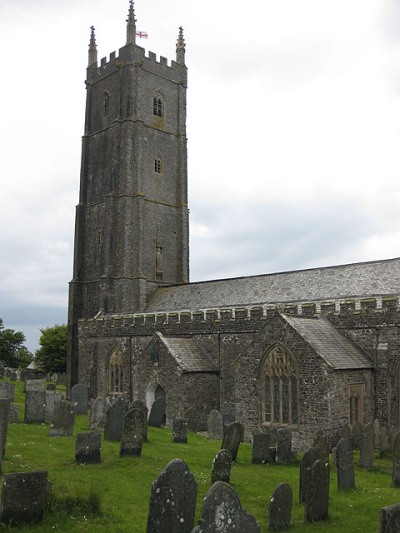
x=188 y=354
x=358 y=280
x=338 y=351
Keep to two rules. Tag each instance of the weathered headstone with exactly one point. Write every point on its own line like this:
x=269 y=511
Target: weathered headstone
x=4 y=415
x=263 y=449
x=23 y=496
x=7 y=391
x=390 y=519
x=88 y=448
x=97 y=415
x=393 y=433
x=345 y=432
x=62 y=379
x=233 y=436
x=79 y=395
x=180 y=430
x=222 y=512
x=377 y=431
x=52 y=396
x=13 y=416
x=157 y=413
x=215 y=425
x=221 y=466
x=396 y=461
x=35 y=403
x=132 y=433
x=115 y=415
x=280 y=508
x=316 y=502
x=35 y=385
x=173 y=500
x=345 y=465
x=367 y=447
x=308 y=459
x=356 y=433
x=321 y=445
x=384 y=441
x=284 y=454
x=138 y=404
x=63 y=419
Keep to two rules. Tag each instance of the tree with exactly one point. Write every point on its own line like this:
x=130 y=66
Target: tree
x=52 y=354
x=13 y=353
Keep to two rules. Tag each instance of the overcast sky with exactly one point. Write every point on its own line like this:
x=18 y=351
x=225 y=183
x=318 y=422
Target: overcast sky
x=293 y=135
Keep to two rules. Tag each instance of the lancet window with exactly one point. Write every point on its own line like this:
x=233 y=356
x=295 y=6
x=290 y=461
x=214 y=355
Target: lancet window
x=116 y=372
x=356 y=399
x=158 y=106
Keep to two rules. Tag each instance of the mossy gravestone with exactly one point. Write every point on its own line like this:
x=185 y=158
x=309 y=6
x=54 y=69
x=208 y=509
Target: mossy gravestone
x=390 y=519
x=63 y=419
x=88 y=448
x=345 y=465
x=221 y=466
x=263 y=449
x=180 y=430
x=316 y=501
x=23 y=496
x=367 y=447
x=115 y=419
x=35 y=402
x=308 y=459
x=132 y=433
x=280 y=508
x=215 y=425
x=233 y=436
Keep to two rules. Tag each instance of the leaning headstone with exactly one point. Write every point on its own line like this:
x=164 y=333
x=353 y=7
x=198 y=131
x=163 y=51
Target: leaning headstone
x=79 y=395
x=173 y=500
x=263 y=449
x=215 y=425
x=384 y=441
x=157 y=413
x=7 y=391
x=316 y=502
x=35 y=403
x=284 y=454
x=345 y=465
x=396 y=461
x=52 y=397
x=222 y=512
x=367 y=447
x=4 y=415
x=233 y=436
x=88 y=448
x=138 y=404
x=356 y=433
x=377 y=431
x=321 y=445
x=13 y=416
x=308 y=459
x=35 y=384
x=115 y=415
x=390 y=519
x=63 y=419
x=132 y=433
x=180 y=430
x=221 y=466
x=280 y=508
x=97 y=415
x=23 y=497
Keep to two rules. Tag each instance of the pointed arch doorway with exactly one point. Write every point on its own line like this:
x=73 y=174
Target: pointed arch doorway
x=156 y=400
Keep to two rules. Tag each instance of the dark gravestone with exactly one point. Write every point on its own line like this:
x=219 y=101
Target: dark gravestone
x=215 y=425
x=138 y=404
x=97 y=415
x=63 y=419
x=180 y=430
x=221 y=466
x=345 y=465
x=377 y=432
x=233 y=436
x=356 y=433
x=321 y=445
x=393 y=432
x=367 y=447
x=316 y=502
x=52 y=397
x=132 y=433
x=4 y=415
x=345 y=432
x=263 y=450
x=308 y=459
x=384 y=441
x=222 y=512
x=280 y=508
x=173 y=500
x=396 y=461
x=284 y=454
x=88 y=448
x=390 y=519
x=7 y=391
x=23 y=497
x=115 y=419
x=13 y=416
x=62 y=379
x=79 y=395
x=35 y=403
x=157 y=413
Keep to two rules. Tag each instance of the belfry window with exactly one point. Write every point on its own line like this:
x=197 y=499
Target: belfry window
x=158 y=110
x=279 y=388
x=116 y=372
x=106 y=104
x=157 y=165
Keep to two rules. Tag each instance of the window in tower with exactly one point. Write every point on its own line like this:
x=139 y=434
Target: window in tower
x=106 y=104
x=157 y=165
x=116 y=372
x=158 y=106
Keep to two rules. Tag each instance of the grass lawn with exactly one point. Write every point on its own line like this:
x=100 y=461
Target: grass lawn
x=113 y=496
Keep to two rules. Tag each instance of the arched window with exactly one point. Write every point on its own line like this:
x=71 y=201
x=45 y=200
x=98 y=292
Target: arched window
x=116 y=372
x=158 y=106
x=279 y=387
x=106 y=104
x=356 y=397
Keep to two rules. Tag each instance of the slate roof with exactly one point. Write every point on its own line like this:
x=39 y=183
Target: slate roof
x=376 y=278
x=188 y=354
x=334 y=347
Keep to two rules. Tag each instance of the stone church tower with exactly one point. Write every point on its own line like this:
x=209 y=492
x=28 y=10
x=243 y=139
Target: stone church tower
x=131 y=229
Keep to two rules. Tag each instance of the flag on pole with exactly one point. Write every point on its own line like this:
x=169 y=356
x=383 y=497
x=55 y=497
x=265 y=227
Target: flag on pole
x=142 y=34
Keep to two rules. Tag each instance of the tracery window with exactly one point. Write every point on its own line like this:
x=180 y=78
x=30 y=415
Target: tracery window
x=116 y=372
x=106 y=104
x=279 y=387
x=158 y=107
x=356 y=399
x=157 y=165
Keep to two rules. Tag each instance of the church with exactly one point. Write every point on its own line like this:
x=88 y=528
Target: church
x=309 y=349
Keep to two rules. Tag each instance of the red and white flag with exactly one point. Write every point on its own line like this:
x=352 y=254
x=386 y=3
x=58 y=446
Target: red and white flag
x=142 y=34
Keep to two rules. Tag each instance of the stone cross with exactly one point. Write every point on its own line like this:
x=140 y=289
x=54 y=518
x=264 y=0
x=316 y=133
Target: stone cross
x=345 y=465
x=280 y=508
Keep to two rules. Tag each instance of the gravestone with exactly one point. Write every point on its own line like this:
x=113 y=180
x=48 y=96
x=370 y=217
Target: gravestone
x=280 y=508
x=54 y=378
x=233 y=436
x=7 y=391
x=173 y=500
x=62 y=379
x=138 y=404
x=215 y=425
x=52 y=397
x=4 y=415
x=396 y=461
x=221 y=466
x=390 y=519
x=79 y=395
x=13 y=416
x=157 y=413
x=97 y=415
x=222 y=512
x=345 y=465
x=132 y=433
x=384 y=441
x=377 y=431
x=115 y=415
x=35 y=403
x=88 y=448
x=263 y=449
x=180 y=430
x=308 y=459
x=367 y=447
x=316 y=501
x=356 y=433
x=321 y=445
x=51 y=386
x=35 y=384
x=63 y=419
x=393 y=432
x=23 y=497
x=284 y=454
x=345 y=432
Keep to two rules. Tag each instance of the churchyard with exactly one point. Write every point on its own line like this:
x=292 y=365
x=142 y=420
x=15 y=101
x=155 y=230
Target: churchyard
x=114 y=494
